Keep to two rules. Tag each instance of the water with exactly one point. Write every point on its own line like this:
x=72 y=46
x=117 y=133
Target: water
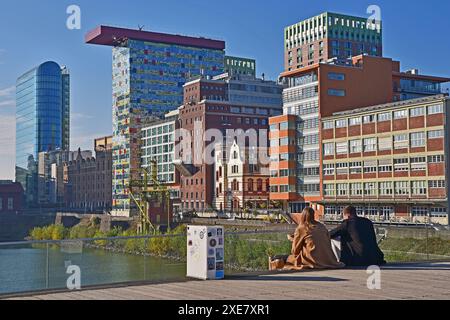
x=24 y=268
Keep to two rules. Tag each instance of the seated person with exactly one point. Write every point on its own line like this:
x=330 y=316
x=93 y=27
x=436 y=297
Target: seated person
x=359 y=245
x=311 y=246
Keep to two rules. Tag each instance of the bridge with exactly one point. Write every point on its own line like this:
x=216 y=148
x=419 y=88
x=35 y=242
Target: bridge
x=398 y=282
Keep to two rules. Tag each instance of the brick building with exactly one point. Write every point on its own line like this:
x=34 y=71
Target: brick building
x=321 y=90
x=223 y=103
x=11 y=197
x=388 y=160
x=88 y=179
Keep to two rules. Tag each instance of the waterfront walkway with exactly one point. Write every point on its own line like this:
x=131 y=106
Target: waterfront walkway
x=402 y=281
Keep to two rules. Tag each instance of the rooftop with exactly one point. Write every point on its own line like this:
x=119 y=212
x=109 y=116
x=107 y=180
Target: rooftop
x=112 y=36
x=398 y=282
x=403 y=103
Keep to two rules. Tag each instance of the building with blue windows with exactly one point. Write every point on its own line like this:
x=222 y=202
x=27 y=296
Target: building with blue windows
x=42 y=121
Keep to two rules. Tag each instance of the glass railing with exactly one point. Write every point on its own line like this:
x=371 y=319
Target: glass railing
x=36 y=266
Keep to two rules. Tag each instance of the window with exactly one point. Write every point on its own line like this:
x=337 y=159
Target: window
x=356 y=189
x=385 y=143
x=336 y=92
x=328 y=169
x=402 y=188
x=386 y=189
x=328 y=125
x=284 y=126
x=328 y=149
x=309 y=140
x=355 y=146
x=419 y=188
x=370 y=166
x=400 y=114
x=418 y=139
x=336 y=76
x=1 y=203
x=370 y=145
x=284 y=142
x=435 y=134
x=370 y=189
x=342 y=148
x=384 y=117
x=329 y=190
x=417 y=112
x=341 y=123
x=341 y=168
x=436 y=184
x=418 y=164
x=419 y=211
x=401 y=141
x=10 y=203
x=438 y=108
x=355 y=167
x=401 y=164
x=439 y=212
x=385 y=166
x=436 y=159
x=369 y=119
x=342 y=189
x=355 y=121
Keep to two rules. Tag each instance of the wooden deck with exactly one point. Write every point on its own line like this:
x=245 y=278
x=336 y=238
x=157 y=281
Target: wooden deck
x=404 y=281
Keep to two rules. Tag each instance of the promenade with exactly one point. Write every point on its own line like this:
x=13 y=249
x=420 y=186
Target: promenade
x=398 y=282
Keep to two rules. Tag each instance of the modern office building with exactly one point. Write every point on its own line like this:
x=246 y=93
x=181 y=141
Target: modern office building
x=319 y=91
x=149 y=71
x=240 y=66
x=390 y=161
x=331 y=36
x=42 y=120
x=223 y=104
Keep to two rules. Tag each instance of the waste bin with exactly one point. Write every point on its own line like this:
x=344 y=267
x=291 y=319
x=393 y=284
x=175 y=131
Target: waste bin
x=205 y=252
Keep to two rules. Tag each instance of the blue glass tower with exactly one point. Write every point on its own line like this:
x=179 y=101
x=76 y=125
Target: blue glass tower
x=42 y=120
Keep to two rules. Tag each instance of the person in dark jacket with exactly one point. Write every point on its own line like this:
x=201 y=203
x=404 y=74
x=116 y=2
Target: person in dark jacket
x=359 y=245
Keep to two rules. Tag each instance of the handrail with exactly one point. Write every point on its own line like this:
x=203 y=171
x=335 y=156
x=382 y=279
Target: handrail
x=30 y=242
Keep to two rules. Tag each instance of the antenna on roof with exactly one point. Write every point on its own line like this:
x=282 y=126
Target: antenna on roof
x=141 y=27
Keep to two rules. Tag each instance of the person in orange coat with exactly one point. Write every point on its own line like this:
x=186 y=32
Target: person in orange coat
x=311 y=246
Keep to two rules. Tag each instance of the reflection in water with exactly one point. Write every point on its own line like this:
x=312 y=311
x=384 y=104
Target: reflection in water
x=23 y=269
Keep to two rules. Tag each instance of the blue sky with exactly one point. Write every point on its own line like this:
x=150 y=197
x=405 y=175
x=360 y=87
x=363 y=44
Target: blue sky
x=35 y=31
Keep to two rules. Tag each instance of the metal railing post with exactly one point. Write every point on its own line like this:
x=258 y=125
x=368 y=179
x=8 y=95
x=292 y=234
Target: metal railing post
x=47 y=268
x=145 y=258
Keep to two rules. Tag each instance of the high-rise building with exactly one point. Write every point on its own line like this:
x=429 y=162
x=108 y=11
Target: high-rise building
x=240 y=66
x=42 y=120
x=319 y=91
x=390 y=161
x=331 y=35
x=149 y=71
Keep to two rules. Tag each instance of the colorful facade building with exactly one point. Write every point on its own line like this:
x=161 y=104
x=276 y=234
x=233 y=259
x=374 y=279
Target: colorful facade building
x=331 y=36
x=149 y=71
x=390 y=161
x=219 y=106
x=321 y=90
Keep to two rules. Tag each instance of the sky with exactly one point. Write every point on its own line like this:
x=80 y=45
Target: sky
x=416 y=33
